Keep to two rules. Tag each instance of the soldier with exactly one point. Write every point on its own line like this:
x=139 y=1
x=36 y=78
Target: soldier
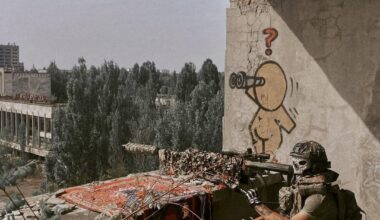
x=311 y=195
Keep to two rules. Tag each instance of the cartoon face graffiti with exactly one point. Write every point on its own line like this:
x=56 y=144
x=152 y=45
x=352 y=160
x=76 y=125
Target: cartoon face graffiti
x=271 y=93
x=271 y=117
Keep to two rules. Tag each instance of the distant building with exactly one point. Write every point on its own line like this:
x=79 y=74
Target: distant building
x=10 y=57
x=163 y=100
x=26 y=110
x=26 y=86
x=26 y=126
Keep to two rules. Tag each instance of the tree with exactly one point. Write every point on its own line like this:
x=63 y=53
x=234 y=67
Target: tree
x=123 y=116
x=214 y=126
x=181 y=128
x=173 y=83
x=186 y=82
x=72 y=146
x=58 y=82
x=200 y=97
x=196 y=120
x=163 y=130
x=57 y=171
x=116 y=154
x=108 y=106
x=147 y=71
x=209 y=73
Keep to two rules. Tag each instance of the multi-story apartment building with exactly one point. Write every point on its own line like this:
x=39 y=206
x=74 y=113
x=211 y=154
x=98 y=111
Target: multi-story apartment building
x=10 y=57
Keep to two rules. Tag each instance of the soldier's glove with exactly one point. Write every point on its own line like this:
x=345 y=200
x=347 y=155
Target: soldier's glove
x=252 y=196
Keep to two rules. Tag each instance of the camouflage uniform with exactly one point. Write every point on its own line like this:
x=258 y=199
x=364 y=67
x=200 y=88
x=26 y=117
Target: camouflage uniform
x=312 y=191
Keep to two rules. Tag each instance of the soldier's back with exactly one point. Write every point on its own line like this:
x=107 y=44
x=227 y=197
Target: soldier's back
x=321 y=207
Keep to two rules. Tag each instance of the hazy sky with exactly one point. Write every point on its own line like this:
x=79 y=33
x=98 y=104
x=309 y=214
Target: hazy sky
x=168 y=32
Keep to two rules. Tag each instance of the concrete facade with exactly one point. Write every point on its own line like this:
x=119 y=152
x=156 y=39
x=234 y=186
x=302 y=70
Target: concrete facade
x=26 y=127
x=25 y=85
x=322 y=84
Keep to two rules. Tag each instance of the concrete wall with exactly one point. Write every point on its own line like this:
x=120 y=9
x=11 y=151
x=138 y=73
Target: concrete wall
x=32 y=83
x=37 y=119
x=5 y=83
x=12 y=84
x=44 y=111
x=1 y=80
x=322 y=84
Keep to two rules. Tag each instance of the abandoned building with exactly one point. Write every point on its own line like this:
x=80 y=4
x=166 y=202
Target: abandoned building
x=10 y=57
x=165 y=100
x=26 y=111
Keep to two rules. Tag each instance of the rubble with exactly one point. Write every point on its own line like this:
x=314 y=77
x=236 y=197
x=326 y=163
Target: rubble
x=25 y=210
x=62 y=209
x=44 y=206
x=55 y=201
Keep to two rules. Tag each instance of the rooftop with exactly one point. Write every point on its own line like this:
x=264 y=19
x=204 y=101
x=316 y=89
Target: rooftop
x=138 y=196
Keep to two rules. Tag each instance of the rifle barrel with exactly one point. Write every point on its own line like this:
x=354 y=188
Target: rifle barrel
x=276 y=167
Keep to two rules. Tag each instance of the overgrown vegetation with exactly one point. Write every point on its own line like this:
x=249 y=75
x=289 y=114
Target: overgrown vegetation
x=109 y=106
x=13 y=168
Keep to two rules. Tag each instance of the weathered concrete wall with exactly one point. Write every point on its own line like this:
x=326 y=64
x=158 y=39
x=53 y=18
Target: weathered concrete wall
x=6 y=83
x=34 y=84
x=44 y=111
x=328 y=52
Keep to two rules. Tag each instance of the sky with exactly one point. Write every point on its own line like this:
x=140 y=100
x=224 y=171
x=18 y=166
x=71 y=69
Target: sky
x=168 y=32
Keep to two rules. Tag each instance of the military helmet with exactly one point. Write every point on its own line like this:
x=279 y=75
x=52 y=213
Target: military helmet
x=309 y=157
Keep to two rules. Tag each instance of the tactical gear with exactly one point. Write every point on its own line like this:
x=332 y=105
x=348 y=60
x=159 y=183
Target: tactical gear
x=292 y=198
x=309 y=157
x=300 y=165
x=290 y=201
x=347 y=205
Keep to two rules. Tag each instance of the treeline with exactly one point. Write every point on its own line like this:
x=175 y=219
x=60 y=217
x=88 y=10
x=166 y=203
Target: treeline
x=109 y=106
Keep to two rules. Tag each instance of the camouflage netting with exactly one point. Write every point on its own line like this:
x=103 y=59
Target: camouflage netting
x=214 y=167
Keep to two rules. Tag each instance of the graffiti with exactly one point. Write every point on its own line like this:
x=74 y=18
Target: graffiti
x=33 y=98
x=272 y=116
x=272 y=35
x=267 y=88
x=241 y=80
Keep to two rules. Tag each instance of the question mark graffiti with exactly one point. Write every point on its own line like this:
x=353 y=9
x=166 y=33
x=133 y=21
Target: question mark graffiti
x=273 y=34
